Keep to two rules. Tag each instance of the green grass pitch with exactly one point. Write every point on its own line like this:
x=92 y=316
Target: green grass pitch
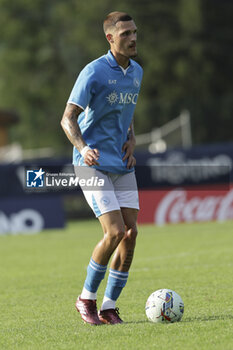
x=41 y=276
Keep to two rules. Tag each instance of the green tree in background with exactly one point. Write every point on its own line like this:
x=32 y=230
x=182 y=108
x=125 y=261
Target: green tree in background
x=187 y=52
x=185 y=48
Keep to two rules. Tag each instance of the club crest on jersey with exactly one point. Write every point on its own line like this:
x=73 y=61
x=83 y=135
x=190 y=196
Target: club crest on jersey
x=136 y=82
x=122 y=98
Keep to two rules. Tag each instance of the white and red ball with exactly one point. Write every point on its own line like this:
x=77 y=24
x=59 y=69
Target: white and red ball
x=164 y=305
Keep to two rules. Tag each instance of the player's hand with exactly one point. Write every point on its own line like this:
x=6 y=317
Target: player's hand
x=91 y=157
x=131 y=162
x=128 y=148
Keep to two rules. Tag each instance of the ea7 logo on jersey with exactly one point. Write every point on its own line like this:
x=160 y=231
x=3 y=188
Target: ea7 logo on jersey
x=123 y=98
x=112 y=81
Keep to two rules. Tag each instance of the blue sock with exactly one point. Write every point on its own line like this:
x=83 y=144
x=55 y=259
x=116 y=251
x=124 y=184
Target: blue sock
x=95 y=274
x=116 y=282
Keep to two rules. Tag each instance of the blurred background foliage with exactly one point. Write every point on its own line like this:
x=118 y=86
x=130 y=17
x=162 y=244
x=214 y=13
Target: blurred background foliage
x=184 y=46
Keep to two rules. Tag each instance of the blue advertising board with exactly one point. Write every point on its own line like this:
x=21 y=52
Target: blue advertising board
x=212 y=164
x=30 y=214
x=27 y=204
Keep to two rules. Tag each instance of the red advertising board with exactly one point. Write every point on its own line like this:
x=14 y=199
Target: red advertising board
x=207 y=203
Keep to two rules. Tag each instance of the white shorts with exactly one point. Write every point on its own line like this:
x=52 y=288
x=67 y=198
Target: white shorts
x=106 y=191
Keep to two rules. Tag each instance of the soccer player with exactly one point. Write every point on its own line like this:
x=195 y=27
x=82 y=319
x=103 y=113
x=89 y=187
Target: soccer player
x=98 y=120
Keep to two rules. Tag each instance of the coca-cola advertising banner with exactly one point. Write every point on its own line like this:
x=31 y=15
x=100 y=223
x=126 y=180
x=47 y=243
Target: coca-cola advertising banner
x=209 y=203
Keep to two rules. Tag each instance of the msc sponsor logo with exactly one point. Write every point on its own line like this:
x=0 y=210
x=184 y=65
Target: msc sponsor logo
x=122 y=98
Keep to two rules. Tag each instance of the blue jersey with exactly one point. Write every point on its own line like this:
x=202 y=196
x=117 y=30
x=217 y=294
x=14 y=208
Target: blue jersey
x=108 y=96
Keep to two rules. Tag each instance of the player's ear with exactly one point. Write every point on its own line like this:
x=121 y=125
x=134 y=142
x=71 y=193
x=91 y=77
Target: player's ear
x=109 y=38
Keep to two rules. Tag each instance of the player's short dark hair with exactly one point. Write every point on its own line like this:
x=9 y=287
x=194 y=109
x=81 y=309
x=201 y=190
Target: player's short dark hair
x=114 y=17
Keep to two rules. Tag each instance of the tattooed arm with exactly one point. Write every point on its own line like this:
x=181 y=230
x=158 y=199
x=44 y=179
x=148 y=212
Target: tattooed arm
x=73 y=132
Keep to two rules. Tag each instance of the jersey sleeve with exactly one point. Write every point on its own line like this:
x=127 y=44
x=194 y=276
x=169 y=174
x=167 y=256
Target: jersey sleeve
x=83 y=89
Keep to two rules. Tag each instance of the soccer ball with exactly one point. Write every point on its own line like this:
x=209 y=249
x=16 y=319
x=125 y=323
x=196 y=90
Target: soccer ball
x=164 y=305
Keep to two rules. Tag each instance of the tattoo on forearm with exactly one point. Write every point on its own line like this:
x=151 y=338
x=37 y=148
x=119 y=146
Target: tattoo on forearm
x=71 y=127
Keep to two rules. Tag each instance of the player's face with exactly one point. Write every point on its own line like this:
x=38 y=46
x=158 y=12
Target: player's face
x=125 y=38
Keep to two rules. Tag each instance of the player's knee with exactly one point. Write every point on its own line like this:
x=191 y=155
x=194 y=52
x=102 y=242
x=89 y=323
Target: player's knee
x=117 y=235
x=132 y=234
